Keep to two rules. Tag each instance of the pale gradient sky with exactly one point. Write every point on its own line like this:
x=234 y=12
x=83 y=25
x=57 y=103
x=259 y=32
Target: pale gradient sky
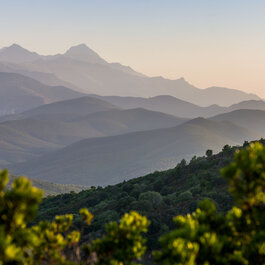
x=209 y=42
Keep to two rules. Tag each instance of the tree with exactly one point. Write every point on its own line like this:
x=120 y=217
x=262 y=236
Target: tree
x=209 y=153
x=153 y=197
x=185 y=196
x=182 y=163
x=226 y=148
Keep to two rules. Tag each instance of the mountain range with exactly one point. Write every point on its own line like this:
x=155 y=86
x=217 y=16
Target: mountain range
x=75 y=118
x=177 y=107
x=53 y=126
x=84 y=70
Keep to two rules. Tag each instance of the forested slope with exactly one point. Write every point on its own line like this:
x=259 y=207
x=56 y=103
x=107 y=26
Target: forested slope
x=160 y=196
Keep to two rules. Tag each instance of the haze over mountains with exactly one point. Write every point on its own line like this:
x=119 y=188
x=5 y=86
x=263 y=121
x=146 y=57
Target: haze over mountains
x=252 y=119
x=19 y=93
x=56 y=125
x=110 y=160
x=50 y=188
x=88 y=72
x=177 y=107
x=74 y=118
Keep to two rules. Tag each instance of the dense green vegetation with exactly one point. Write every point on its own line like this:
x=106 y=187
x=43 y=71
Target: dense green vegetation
x=203 y=237
x=56 y=242
x=160 y=196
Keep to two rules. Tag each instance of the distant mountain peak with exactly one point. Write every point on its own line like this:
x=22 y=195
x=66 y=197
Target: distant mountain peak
x=82 y=52
x=183 y=80
x=14 y=45
x=80 y=47
x=17 y=54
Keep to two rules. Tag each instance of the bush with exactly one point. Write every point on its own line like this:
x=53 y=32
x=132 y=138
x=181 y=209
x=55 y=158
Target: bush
x=185 y=196
x=153 y=197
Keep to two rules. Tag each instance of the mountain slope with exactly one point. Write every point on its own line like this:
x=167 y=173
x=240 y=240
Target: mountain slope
x=123 y=121
x=108 y=160
x=249 y=104
x=17 y=54
x=82 y=53
x=253 y=119
x=78 y=106
x=160 y=196
x=17 y=146
x=19 y=93
x=45 y=78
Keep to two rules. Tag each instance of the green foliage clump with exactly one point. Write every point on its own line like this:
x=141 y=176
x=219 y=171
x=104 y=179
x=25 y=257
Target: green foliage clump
x=185 y=196
x=153 y=197
x=209 y=152
x=57 y=242
x=246 y=176
x=208 y=237
x=18 y=206
x=123 y=242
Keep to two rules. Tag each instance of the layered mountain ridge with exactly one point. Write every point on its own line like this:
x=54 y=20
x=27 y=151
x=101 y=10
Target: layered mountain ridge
x=86 y=71
x=123 y=125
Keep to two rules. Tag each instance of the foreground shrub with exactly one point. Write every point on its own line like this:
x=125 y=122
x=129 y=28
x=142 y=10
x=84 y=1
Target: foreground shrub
x=57 y=242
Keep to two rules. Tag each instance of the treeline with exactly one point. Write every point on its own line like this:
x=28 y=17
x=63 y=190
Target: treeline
x=206 y=236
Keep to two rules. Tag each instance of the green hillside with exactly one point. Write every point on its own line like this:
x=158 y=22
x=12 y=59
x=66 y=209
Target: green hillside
x=160 y=196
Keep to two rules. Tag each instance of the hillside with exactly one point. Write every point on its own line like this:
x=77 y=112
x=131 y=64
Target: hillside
x=160 y=196
x=45 y=78
x=20 y=93
x=249 y=104
x=17 y=146
x=109 y=160
x=78 y=106
x=247 y=118
x=64 y=110
x=116 y=121
x=17 y=54
x=86 y=71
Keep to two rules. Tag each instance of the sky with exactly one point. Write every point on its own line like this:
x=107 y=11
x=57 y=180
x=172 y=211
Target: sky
x=208 y=42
